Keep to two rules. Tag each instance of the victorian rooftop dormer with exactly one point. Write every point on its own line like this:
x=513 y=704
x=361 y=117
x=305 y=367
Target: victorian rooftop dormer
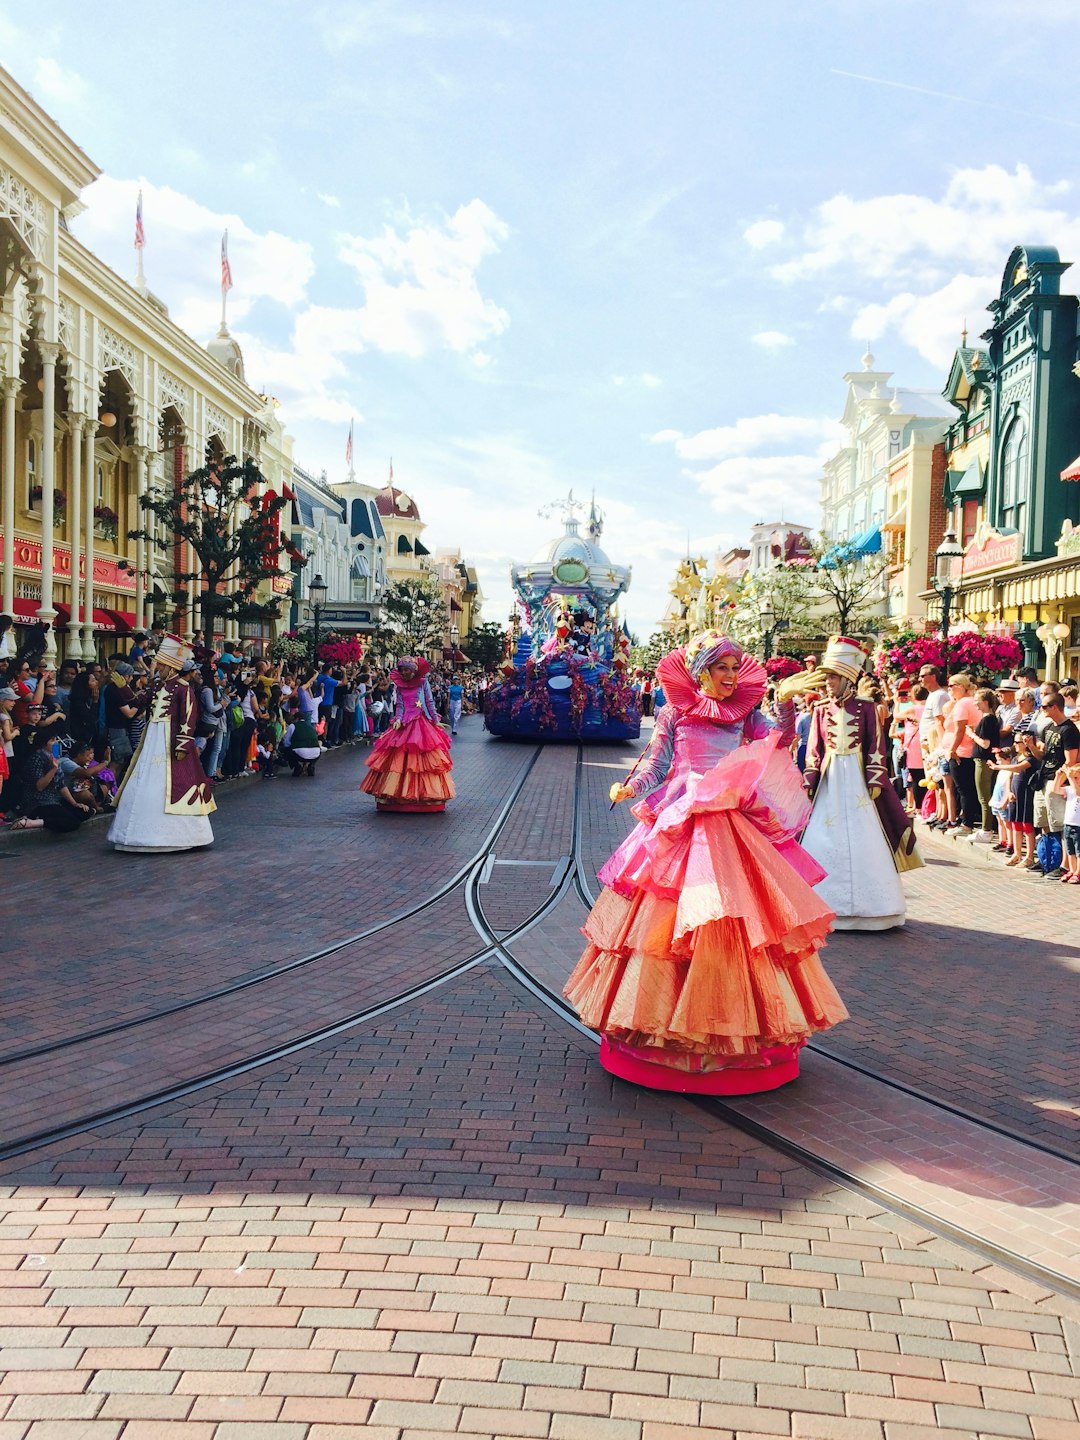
x=1035 y=412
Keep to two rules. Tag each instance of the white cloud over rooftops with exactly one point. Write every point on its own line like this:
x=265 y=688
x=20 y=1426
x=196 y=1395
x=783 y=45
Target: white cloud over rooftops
x=772 y=340
x=751 y=433
x=420 y=287
x=763 y=232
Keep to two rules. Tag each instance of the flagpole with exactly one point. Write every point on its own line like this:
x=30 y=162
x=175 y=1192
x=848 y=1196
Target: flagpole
x=140 y=242
x=224 y=264
x=226 y=278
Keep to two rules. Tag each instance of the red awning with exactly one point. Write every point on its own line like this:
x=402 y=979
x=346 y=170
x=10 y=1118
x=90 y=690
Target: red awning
x=26 y=612
x=454 y=604
x=1072 y=472
x=116 y=622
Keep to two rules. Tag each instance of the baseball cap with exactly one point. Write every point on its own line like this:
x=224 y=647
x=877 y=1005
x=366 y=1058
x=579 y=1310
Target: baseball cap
x=6 y=693
x=123 y=668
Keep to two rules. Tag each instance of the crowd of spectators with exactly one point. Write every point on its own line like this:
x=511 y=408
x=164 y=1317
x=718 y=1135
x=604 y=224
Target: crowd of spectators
x=68 y=733
x=992 y=764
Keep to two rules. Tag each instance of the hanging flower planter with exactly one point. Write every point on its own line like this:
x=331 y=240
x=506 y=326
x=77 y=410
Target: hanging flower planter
x=106 y=522
x=37 y=494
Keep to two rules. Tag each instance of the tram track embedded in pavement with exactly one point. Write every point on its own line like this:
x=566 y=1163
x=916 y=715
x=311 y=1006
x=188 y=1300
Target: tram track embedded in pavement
x=468 y=878
x=498 y=948
x=247 y=982
x=575 y=877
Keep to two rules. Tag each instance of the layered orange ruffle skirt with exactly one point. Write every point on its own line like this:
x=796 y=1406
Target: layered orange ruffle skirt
x=703 y=944
x=411 y=766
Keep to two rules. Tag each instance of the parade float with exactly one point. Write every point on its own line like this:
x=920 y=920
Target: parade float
x=566 y=672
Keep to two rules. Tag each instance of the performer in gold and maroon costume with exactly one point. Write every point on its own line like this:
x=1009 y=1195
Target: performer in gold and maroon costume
x=857 y=831
x=166 y=800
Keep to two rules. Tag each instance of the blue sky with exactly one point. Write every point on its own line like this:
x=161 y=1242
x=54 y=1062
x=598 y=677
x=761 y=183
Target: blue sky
x=607 y=245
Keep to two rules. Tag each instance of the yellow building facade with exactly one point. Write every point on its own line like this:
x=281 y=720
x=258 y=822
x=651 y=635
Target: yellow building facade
x=102 y=397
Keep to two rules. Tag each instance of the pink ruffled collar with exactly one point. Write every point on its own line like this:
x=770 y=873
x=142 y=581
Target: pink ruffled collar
x=684 y=692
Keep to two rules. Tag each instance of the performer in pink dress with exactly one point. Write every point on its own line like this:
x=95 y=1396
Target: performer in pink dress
x=409 y=766
x=701 y=971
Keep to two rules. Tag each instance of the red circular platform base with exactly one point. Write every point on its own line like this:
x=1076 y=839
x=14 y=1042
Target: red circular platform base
x=406 y=808
x=780 y=1068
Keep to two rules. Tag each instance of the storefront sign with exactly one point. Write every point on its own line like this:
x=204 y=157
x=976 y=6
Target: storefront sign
x=282 y=584
x=989 y=551
x=107 y=571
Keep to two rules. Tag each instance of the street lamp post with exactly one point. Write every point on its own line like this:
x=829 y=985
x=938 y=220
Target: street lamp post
x=945 y=556
x=317 y=592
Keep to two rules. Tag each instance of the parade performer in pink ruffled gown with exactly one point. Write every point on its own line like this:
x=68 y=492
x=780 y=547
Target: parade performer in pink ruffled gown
x=702 y=971
x=409 y=765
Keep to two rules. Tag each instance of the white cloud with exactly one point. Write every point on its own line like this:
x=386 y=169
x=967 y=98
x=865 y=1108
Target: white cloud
x=647 y=380
x=420 y=287
x=916 y=241
x=183 y=249
x=757 y=484
x=750 y=433
x=919 y=266
x=331 y=200
x=420 y=290
x=772 y=339
x=931 y=324
x=744 y=485
x=310 y=375
x=54 y=85
x=763 y=232
x=378 y=22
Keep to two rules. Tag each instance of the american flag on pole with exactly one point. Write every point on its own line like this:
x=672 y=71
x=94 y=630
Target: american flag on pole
x=226 y=270
x=348 y=446
x=140 y=233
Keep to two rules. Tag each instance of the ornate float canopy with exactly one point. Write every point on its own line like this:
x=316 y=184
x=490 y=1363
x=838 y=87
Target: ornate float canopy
x=575 y=565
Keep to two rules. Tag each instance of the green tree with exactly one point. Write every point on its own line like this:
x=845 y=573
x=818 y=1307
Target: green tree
x=850 y=588
x=233 y=535
x=485 y=644
x=649 y=655
x=787 y=594
x=416 y=616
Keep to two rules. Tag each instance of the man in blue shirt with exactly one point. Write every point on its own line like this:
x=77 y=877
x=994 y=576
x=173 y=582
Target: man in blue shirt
x=326 y=707
x=455 y=693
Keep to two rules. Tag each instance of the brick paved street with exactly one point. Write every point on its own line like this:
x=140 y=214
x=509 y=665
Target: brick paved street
x=448 y=1220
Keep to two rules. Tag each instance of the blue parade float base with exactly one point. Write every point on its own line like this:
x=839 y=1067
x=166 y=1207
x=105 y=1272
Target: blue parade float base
x=500 y=719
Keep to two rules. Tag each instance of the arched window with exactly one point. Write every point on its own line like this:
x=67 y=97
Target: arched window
x=1014 y=466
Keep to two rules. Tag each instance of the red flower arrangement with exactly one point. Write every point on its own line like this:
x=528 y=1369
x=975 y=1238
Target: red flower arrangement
x=781 y=666
x=617 y=698
x=342 y=652
x=534 y=693
x=578 y=697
